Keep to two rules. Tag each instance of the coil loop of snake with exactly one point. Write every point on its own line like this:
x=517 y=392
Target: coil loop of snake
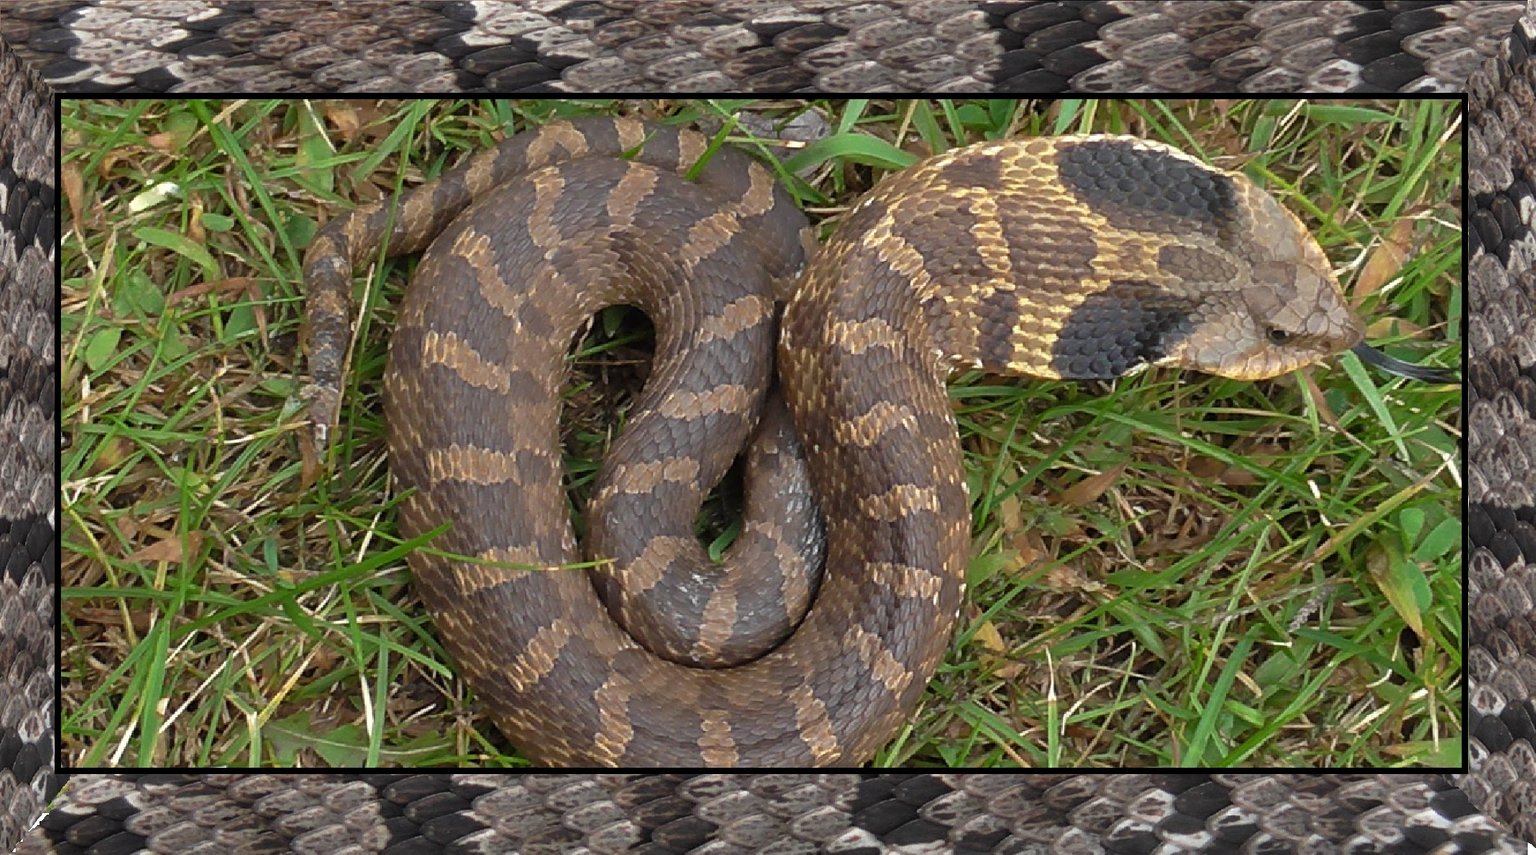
x=875 y=813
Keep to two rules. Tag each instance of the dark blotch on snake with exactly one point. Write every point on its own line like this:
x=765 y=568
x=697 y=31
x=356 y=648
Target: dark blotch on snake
x=1137 y=188
x=1115 y=330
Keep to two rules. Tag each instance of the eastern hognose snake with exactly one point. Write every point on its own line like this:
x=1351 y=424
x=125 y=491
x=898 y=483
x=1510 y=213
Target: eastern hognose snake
x=1499 y=437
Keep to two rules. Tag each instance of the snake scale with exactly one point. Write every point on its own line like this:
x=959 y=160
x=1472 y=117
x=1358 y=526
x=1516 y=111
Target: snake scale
x=956 y=812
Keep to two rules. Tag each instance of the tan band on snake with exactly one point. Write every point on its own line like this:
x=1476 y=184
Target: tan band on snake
x=1066 y=257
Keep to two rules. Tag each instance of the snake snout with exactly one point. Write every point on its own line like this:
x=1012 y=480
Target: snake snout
x=1270 y=327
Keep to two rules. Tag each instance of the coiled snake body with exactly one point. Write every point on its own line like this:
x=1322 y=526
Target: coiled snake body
x=923 y=812
x=1076 y=257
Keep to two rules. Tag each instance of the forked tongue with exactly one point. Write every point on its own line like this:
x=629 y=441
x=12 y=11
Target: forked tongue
x=1372 y=356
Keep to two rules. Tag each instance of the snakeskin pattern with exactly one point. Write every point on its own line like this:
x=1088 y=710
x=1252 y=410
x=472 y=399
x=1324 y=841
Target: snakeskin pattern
x=1501 y=440
x=769 y=814
x=27 y=402
x=756 y=45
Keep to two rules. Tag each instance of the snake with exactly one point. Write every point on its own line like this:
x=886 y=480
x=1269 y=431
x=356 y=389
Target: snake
x=889 y=812
x=1137 y=254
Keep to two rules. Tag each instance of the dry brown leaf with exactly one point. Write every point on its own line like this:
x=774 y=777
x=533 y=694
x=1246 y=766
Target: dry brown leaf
x=344 y=117
x=195 y=230
x=1025 y=549
x=1385 y=260
x=165 y=143
x=1205 y=468
x=1009 y=671
x=1088 y=490
x=167 y=549
x=110 y=455
x=1010 y=513
x=73 y=183
x=1067 y=577
x=140 y=620
x=1386 y=327
x=1319 y=400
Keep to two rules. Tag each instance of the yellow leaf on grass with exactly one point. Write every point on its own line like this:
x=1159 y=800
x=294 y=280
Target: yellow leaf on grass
x=1385 y=260
x=1403 y=583
x=989 y=638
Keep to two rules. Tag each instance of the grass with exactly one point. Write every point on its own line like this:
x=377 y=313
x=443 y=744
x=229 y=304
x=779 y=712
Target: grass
x=1168 y=570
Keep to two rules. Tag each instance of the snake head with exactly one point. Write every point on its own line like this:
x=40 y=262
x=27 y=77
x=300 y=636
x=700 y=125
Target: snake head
x=1285 y=319
x=1282 y=311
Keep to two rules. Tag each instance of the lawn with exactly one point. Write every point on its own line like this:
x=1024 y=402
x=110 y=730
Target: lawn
x=1171 y=569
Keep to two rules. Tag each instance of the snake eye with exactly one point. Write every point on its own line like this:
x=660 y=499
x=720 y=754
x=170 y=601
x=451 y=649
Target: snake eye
x=1278 y=336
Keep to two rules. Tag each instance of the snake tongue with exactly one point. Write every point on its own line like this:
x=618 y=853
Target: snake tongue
x=1372 y=356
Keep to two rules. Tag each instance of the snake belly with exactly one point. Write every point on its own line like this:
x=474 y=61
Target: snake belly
x=1067 y=257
